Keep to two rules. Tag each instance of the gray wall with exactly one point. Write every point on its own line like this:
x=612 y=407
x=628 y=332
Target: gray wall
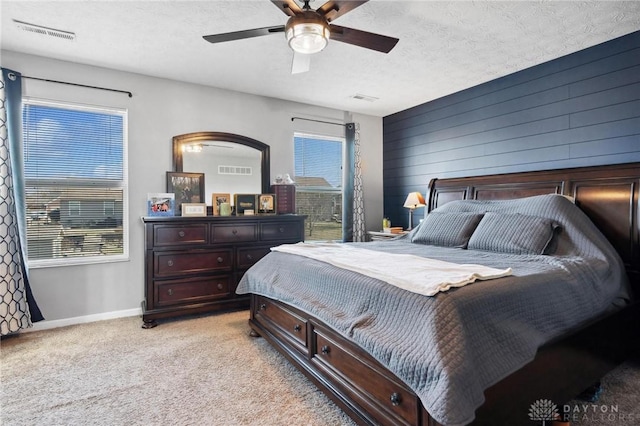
x=579 y=110
x=159 y=110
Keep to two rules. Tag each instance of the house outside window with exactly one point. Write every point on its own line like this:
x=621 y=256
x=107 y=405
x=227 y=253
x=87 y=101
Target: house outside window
x=75 y=169
x=318 y=179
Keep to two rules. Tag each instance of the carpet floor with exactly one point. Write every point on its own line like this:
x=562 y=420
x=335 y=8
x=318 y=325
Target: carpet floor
x=192 y=371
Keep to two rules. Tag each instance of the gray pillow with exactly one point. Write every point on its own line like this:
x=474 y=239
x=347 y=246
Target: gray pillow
x=513 y=233
x=446 y=229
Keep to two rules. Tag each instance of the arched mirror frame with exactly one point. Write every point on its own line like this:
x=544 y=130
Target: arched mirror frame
x=189 y=138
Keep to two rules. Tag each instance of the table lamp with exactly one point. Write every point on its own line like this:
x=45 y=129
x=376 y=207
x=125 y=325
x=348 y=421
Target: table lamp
x=413 y=201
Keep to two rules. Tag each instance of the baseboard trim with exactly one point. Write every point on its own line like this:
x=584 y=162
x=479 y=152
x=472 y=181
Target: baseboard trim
x=46 y=325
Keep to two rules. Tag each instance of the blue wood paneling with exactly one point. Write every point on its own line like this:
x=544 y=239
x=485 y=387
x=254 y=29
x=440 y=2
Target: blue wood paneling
x=579 y=110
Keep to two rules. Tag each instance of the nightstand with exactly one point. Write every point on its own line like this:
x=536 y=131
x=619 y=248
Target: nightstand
x=380 y=236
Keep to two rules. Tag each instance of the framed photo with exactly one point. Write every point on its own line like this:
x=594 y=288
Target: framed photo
x=187 y=187
x=160 y=204
x=267 y=204
x=245 y=204
x=194 y=209
x=217 y=199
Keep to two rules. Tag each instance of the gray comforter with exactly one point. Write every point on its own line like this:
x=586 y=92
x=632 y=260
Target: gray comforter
x=450 y=347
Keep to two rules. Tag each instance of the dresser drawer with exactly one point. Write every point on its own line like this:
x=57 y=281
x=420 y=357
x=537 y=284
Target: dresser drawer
x=281 y=231
x=179 y=235
x=234 y=233
x=168 y=264
x=287 y=323
x=193 y=290
x=353 y=369
x=247 y=256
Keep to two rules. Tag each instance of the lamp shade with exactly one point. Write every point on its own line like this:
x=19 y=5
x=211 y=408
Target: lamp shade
x=414 y=200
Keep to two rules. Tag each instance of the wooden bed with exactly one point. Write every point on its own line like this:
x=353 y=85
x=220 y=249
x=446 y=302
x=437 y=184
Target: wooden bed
x=370 y=394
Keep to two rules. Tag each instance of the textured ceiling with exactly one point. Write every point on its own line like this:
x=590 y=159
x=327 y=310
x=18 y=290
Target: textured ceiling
x=444 y=47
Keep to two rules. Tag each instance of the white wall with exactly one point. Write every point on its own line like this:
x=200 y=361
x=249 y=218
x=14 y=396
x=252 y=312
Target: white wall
x=158 y=110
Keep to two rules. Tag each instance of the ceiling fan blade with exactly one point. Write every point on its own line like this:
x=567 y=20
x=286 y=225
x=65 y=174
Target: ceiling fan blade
x=301 y=63
x=364 y=39
x=289 y=7
x=239 y=35
x=333 y=9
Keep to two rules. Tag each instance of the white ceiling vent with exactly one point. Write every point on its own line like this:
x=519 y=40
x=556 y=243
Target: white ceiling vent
x=362 y=97
x=38 y=29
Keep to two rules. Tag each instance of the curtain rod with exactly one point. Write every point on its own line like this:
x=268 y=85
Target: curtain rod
x=79 y=85
x=317 y=121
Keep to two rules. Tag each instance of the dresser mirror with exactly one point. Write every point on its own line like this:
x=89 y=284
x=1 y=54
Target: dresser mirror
x=231 y=163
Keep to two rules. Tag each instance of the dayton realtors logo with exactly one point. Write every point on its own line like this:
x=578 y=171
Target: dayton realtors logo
x=544 y=410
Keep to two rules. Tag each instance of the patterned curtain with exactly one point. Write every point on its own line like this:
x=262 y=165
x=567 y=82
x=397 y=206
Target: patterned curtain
x=18 y=309
x=359 y=231
x=353 y=225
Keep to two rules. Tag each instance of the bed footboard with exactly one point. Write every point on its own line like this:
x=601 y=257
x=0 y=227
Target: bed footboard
x=350 y=377
x=372 y=395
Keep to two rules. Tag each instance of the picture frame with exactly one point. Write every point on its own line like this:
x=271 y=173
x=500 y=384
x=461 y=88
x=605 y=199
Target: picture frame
x=193 y=209
x=187 y=187
x=267 y=204
x=244 y=203
x=160 y=204
x=217 y=199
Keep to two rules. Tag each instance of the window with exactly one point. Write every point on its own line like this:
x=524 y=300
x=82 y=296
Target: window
x=109 y=208
x=318 y=177
x=74 y=208
x=75 y=183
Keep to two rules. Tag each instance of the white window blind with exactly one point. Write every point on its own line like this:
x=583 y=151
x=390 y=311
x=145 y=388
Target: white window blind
x=318 y=177
x=75 y=183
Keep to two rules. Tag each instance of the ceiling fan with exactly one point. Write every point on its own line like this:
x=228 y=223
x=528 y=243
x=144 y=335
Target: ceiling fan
x=308 y=31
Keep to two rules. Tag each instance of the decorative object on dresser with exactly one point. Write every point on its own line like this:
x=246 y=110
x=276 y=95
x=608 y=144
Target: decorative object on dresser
x=194 y=209
x=286 y=196
x=245 y=204
x=267 y=204
x=193 y=264
x=188 y=187
x=217 y=200
x=160 y=204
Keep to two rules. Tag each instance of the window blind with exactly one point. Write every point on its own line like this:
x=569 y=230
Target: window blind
x=75 y=183
x=318 y=177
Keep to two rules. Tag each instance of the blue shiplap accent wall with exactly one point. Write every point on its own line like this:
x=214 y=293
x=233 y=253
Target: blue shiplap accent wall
x=578 y=110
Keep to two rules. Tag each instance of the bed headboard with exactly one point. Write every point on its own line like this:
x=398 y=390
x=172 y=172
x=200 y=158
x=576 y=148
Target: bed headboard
x=607 y=194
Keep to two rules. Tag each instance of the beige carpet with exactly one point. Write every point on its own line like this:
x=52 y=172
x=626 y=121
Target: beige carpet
x=193 y=371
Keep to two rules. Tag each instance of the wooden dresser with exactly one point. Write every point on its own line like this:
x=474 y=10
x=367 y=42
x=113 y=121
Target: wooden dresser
x=194 y=264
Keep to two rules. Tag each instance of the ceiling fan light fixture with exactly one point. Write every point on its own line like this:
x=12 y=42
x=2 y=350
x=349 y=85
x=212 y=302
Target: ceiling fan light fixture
x=307 y=35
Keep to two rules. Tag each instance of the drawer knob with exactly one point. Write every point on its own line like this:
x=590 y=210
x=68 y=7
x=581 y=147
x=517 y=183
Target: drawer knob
x=181 y=234
x=220 y=286
x=395 y=398
x=234 y=232
x=281 y=229
x=169 y=262
x=170 y=292
x=220 y=259
x=263 y=307
x=297 y=328
x=325 y=349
